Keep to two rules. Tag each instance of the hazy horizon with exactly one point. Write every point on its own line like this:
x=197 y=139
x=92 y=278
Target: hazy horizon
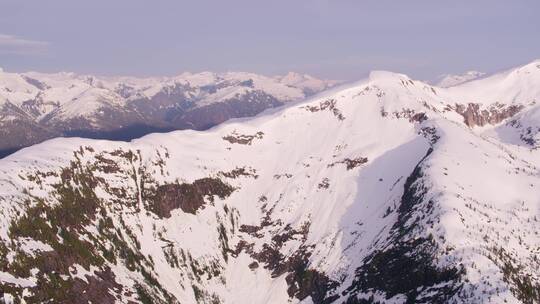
x=328 y=39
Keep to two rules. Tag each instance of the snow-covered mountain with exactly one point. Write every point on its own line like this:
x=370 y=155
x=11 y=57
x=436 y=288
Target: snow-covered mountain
x=386 y=191
x=309 y=84
x=36 y=106
x=448 y=80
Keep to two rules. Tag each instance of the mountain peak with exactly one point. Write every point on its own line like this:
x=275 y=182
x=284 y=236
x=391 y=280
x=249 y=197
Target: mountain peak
x=381 y=74
x=386 y=76
x=294 y=78
x=292 y=74
x=308 y=83
x=449 y=80
x=533 y=66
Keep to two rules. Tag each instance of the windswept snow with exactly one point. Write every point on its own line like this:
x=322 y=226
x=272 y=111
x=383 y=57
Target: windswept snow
x=447 y=81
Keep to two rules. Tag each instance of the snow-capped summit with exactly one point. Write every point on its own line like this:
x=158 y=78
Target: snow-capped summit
x=446 y=81
x=381 y=75
x=308 y=83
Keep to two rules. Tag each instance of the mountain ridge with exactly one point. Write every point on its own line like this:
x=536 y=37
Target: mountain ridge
x=68 y=104
x=382 y=191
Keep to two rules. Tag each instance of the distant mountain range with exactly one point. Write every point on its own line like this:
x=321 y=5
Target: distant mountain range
x=388 y=190
x=36 y=106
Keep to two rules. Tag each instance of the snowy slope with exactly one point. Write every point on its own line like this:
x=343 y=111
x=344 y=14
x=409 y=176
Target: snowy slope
x=518 y=85
x=448 y=80
x=376 y=192
x=38 y=106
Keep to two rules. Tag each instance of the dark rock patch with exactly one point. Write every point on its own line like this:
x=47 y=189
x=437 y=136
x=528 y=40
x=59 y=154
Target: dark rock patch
x=302 y=280
x=188 y=197
x=473 y=115
x=330 y=105
x=238 y=172
x=351 y=163
x=324 y=184
x=242 y=139
x=418 y=117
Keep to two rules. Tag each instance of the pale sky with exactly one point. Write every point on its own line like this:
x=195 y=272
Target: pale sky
x=331 y=39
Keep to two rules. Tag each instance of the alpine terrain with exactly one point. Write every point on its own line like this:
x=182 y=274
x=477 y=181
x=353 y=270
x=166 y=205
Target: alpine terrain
x=36 y=106
x=389 y=190
x=446 y=81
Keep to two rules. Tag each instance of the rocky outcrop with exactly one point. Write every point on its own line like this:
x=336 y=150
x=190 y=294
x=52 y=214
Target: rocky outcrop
x=474 y=115
x=243 y=139
x=351 y=163
x=327 y=105
x=188 y=197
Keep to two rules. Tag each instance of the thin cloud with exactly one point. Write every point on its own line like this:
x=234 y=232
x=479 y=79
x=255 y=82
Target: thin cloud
x=10 y=44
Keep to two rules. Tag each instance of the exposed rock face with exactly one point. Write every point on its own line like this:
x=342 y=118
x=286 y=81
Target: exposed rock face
x=302 y=280
x=188 y=197
x=405 y=266
x=327 y=105
x=474 y=115
x=243 y=139
x=351 y=163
